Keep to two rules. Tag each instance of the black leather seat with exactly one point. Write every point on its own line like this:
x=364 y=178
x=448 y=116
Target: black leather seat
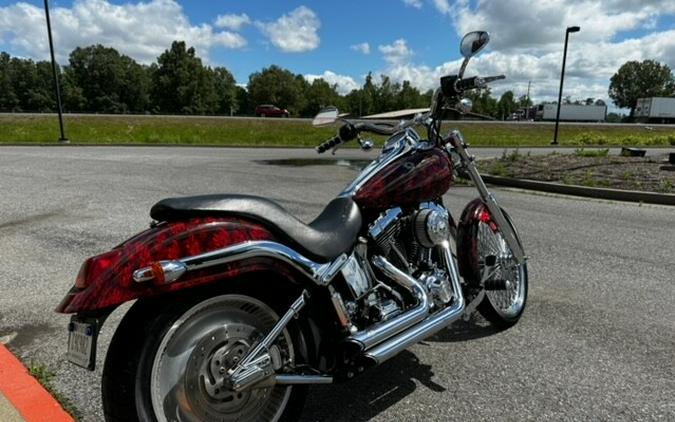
x=333 y=232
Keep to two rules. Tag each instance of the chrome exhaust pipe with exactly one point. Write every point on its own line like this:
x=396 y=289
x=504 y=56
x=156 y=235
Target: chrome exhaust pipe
x=429 y=326
x=380 y=332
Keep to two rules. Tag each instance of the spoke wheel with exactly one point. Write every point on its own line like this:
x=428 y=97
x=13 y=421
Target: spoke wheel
x=509 y=301
x=190 y=369
x=487 y=262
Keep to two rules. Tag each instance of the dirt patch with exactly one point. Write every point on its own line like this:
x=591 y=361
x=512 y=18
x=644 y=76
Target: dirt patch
x=594 y=168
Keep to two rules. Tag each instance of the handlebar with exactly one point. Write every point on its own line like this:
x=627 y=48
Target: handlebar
x=331 y=143
x=475 y=82
x=350 y=131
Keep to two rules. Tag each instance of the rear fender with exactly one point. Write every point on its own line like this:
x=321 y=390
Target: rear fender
x=106 y=281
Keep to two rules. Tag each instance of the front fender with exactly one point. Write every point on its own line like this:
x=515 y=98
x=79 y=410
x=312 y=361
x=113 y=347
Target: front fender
x=106 y=281
x=467 y=249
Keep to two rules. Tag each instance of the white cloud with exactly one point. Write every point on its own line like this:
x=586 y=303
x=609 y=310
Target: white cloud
x=527 y=41
x=295 y=32
x=140 y=30
x=443 y=6
x=363 y=48
x=232 y=21
x=397 y=52
x=345 y=84
x=417 y=4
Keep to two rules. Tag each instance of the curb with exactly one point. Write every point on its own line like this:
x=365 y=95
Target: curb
x=25 y=394
x=599 y=193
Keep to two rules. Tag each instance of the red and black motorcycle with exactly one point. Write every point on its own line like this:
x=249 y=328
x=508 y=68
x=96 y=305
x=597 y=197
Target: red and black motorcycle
x=240 y=306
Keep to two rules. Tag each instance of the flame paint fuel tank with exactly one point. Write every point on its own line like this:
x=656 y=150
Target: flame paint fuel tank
x=418 y=176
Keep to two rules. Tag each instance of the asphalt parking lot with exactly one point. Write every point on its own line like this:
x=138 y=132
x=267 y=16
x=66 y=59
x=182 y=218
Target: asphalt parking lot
x=597 y=341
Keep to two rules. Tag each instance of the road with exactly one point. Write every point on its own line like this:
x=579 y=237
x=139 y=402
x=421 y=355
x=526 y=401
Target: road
x=597 y=341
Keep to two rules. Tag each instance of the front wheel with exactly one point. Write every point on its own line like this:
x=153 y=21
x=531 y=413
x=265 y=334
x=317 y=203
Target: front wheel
x=167 y=363
x=488 y=263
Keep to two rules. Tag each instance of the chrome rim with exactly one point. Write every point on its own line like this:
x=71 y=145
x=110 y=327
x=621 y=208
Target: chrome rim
x=508 y=303
x=189 y=373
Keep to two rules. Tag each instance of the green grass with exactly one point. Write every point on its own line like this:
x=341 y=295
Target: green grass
x=46 y=378
x=581 y=152
x=278 y=132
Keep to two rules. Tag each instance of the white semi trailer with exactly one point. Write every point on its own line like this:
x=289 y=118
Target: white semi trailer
x=572 y=112
x=655 y=110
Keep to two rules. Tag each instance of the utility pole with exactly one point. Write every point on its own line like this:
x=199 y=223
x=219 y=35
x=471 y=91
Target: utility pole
x=62 y=139
x=562 y=76
x=527 y=101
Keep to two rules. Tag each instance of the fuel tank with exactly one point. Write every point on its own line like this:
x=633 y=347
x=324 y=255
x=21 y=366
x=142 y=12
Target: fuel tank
x=418 y=176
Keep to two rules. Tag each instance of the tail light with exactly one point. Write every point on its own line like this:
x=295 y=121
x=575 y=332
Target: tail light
x=95 y=266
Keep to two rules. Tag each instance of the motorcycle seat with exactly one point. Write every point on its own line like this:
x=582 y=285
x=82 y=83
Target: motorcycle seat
x=330 y=234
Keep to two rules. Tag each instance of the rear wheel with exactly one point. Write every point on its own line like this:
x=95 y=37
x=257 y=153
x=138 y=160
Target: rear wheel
x=167 y=363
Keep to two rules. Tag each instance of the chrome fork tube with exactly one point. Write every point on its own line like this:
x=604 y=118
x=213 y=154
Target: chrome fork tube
x=495 y=211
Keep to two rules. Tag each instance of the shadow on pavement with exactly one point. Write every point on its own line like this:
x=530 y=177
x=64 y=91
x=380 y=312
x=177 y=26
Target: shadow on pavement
x=384 y=386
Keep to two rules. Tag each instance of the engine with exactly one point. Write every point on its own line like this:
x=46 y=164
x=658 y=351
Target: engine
x=407 y=240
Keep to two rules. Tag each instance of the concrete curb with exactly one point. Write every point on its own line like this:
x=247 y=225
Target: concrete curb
x=600 y=193
x=24 y=396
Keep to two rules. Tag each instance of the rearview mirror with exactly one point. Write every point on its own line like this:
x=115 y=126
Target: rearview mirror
x=473 y=42
x=326 y=117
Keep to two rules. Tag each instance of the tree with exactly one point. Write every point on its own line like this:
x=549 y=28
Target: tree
x=243 y=104
x=99 y=79
x=8 y=99
x=636 y=80
x=274 y=85
x=409 y=97
x=225 y=90
x=31 y=85
x=483 y=102
x=181 y=83
x=319 y=95
x=506 y=105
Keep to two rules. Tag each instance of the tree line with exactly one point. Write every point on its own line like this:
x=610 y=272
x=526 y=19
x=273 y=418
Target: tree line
x=99 y=79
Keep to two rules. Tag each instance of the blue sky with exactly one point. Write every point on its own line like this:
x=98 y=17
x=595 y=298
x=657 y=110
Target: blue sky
x=414 y=40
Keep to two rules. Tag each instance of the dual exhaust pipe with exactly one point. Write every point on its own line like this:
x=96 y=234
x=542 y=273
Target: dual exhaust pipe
x=387 y=339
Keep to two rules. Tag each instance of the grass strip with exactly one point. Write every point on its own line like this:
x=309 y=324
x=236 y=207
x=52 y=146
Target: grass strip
x=102 y=130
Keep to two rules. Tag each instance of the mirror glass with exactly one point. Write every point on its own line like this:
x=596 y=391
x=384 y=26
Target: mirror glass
x=326 y=117
x=473 y=42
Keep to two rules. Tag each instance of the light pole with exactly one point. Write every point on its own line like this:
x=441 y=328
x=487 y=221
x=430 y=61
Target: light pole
x=62 y=139
x=562 y=77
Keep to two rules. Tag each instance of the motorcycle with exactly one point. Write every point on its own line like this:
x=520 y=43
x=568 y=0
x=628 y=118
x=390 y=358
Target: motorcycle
x=240 y=307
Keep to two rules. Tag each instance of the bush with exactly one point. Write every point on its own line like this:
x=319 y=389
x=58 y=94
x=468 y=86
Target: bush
x=590 y=138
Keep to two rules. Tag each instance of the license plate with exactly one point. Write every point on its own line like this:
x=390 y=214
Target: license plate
x=82 y=342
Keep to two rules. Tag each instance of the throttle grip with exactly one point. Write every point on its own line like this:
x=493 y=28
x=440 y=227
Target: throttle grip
x=329 y=144
x=469 y=83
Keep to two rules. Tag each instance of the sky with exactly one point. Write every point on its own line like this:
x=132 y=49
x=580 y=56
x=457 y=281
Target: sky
x=341 y=41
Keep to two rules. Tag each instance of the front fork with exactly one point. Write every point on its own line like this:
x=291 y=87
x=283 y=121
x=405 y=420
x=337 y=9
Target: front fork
x=510 y=236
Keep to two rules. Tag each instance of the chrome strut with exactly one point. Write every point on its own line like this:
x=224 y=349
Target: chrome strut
x=256 y=368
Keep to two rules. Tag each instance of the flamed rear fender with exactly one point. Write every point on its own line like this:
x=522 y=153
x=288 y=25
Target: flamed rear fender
x=166 y=241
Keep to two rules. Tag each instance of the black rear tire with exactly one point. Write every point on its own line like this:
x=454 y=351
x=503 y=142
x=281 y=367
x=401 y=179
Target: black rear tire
x=126 y=375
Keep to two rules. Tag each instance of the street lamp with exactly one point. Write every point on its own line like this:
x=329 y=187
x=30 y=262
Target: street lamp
x=62 y=139
x=562 y=76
